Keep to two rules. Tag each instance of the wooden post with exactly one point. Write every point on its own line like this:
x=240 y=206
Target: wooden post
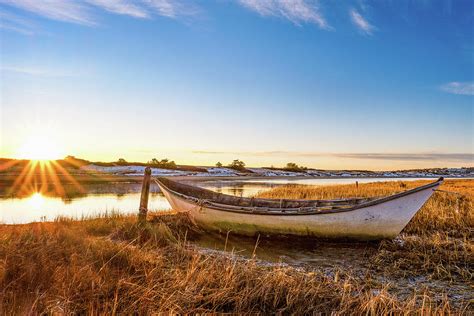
x=144 y=197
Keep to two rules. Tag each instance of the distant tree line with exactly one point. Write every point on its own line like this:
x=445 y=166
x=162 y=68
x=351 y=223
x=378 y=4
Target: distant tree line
x=236 y=164
x=239 y=165
x=291 y=166
x=163 y=163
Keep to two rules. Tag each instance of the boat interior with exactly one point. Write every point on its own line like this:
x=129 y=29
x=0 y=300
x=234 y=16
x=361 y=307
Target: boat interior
x=224 y=199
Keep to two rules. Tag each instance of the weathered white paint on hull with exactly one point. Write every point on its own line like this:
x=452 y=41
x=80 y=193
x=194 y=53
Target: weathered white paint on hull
x=384 y=220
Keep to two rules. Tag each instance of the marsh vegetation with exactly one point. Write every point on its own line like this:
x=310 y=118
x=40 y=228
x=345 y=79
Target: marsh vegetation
x=112 y=265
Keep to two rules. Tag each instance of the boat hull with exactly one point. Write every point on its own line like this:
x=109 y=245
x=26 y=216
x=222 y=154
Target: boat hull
x=380 y=221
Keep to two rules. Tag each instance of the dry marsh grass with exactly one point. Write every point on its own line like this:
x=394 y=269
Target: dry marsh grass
x=451 y=213
x=436 y=243
x=111 y=265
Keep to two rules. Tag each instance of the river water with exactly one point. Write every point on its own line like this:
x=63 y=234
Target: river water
x=124 y=198
x=96 y=199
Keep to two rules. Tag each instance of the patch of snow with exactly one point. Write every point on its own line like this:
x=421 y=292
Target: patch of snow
x=274 y=173
x=265 y=172
x=133 y=170
x=222 y=172
x=317 y=173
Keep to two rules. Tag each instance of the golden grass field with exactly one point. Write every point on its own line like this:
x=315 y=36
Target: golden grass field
x=112 y=265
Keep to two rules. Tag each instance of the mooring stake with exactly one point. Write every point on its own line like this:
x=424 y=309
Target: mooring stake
x=142 y=211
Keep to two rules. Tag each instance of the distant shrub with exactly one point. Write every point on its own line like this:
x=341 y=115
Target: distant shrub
x=163 y=163
x=219 y=164
x=291 y=166
x=121 y=161
x=154 y=161
x=237 y=165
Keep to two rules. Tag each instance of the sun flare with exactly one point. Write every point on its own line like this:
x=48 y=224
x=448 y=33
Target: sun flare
x=40 y=147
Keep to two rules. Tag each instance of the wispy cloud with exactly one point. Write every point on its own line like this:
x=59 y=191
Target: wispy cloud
x=37 y=71
x=172 y=8
x=121 y=7
x=60 y=10
x=464 y=88
x=82 y=11
x=14 y=28
x=10 y=21
x=297 y=11
x=460 y=157
x=360 y=22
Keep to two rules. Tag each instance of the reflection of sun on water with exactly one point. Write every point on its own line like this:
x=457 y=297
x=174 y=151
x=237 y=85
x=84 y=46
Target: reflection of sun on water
x=36 y=201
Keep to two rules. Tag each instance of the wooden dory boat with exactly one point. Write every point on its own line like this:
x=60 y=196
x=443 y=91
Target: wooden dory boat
x=363 y=219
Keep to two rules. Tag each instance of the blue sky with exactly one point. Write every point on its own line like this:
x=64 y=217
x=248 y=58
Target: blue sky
x=326 y=84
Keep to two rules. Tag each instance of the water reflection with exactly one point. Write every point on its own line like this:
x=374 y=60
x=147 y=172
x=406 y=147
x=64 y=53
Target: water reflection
x=95 y=199
x=36 y=201
x=237 y=188
x=43 y=208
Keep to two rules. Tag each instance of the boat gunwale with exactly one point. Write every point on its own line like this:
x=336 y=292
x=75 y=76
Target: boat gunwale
x=309 y=210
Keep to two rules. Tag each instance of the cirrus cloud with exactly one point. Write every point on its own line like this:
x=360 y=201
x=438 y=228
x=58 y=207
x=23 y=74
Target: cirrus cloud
x=173 y=8
x=360 y=22
x=83 y=12
x=65 y=11
x=296 y=11
x=121 y=7
x=13 y=22
x=462 y=88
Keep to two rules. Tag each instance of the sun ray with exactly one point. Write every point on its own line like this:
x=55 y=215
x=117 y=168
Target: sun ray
x=44 y=179
x=73 y=161
x=21 y=179
x=56 y=181
x=9 y=164
x=39 y=170
x=68 y=176
x=27 y=185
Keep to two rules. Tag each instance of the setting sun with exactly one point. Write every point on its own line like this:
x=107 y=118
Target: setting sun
x=40 y=147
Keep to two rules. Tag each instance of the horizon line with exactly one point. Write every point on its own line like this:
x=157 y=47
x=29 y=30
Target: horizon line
x=248 y=167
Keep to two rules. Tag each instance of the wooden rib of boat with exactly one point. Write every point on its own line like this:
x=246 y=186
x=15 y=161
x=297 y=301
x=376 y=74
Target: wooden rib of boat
x=356 y=218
